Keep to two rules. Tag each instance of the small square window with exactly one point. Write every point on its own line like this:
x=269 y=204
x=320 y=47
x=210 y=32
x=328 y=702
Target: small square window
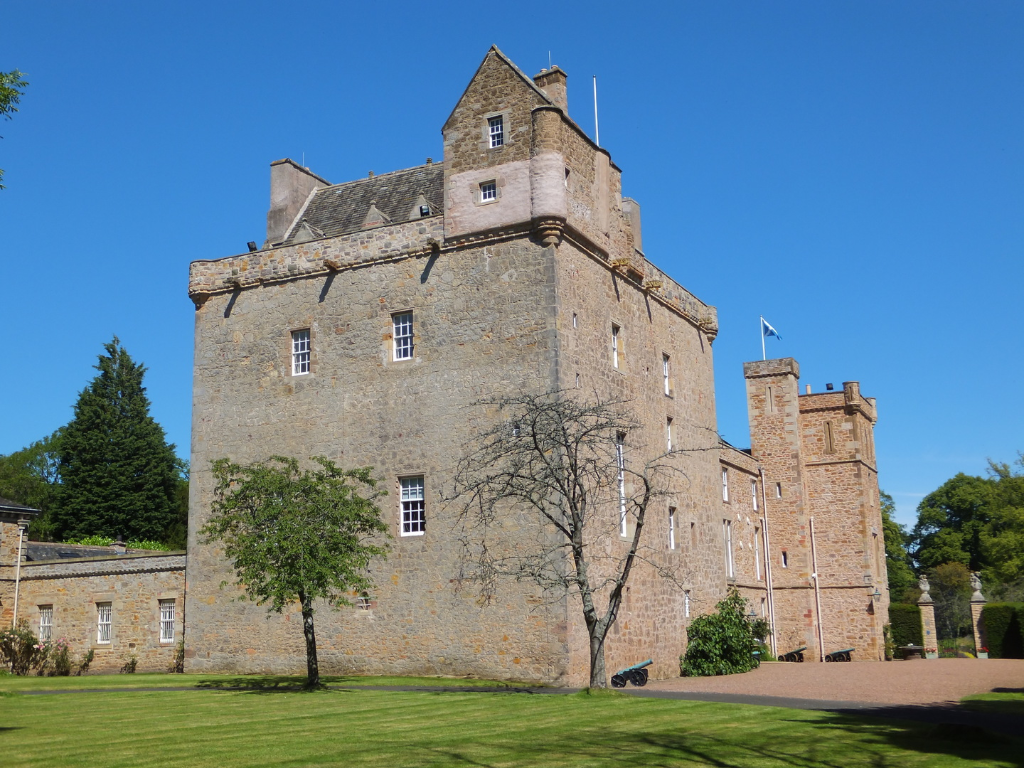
x=402 y=328
x=300 y=352
x=496 y=131
x=166 y=621
x=363 y=602
x=488 y=192
x=424 y=210
x=103 y=623
x=413 y=512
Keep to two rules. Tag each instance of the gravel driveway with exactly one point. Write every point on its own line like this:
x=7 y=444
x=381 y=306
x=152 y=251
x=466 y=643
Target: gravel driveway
x=935 y=681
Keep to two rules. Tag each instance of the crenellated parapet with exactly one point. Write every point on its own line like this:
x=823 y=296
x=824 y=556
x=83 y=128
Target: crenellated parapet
x=273 y=265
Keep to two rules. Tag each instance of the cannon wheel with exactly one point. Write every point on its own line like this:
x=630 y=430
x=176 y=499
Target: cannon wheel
x=828 y=657
x=618 y=681
x=638 y=677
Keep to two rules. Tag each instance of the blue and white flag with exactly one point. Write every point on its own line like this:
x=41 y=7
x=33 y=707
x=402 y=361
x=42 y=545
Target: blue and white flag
x=767 y=330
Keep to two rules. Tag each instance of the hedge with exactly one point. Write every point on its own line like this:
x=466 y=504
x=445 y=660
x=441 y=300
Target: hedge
x=905 y=621
x=1004 y=630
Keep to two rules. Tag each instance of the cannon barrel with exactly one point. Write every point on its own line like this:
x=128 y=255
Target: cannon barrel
x=635 y=667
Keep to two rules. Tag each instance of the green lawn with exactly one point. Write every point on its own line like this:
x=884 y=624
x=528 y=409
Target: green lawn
x=354 y=728
x=1009 y=703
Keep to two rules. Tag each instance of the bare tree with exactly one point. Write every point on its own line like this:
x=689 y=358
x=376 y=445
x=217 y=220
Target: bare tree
x=565 y=466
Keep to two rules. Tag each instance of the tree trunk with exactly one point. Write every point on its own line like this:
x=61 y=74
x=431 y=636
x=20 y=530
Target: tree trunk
x=598 y=675
x=312 y=666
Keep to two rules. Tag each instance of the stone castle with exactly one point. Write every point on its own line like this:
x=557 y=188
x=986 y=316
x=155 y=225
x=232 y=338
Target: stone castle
x=379 y=312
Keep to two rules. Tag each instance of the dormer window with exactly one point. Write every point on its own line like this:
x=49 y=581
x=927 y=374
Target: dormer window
x=496 y=131
x=424 y=210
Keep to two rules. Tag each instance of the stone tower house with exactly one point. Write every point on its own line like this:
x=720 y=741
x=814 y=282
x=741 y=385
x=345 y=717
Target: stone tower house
x=827 y=555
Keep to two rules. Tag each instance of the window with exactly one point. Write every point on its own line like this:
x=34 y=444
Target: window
x=166 y=621
x=488 y=192
x=413 y=518
x=577 y=381
x=45 y=623
x=402 y=327
x=785 y=559
x=730 y=570
x=496 y=131
x=686 y=604
x=668 y=433
x=573 y=319
x=300 y=352
x=103 y=624
x=363 y=602
x=769 y=400
x=753 y=494
x=671 y=527
x=566 y=178
x=615 y=346
x=620 y=459
x=778 y=490
x=424 y=210
x=725 y=485
x=757 y=553
x=664 y=373
x=830 y=444
x=693 y=534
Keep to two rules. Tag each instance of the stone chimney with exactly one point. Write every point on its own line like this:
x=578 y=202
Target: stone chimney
x=290 y=185
x=631 y=210
x=552 y=82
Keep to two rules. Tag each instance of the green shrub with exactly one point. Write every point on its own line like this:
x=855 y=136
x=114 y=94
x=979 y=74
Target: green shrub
x=21 y=650
x=1004 y=630
x=106 y=541
x=83 y=666
x=722 y=643
x=129 y=666
x=905 y=621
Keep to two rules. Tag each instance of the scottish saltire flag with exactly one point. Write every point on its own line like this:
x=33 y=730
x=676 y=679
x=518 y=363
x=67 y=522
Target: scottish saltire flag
x=767 y=330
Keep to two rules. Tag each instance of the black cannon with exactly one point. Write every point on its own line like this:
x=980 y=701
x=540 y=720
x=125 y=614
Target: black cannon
x=844 y=655
x=636 y=675
x=797 y=655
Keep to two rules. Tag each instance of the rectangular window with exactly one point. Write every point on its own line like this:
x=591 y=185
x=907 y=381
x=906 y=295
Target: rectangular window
x=488 y=191
x=300 y=352
x=166 y=621
x=615 y=346
x=671 y=527
x=103 y=623
x=686 y=603
x=45 y=622
x=778 y=490
x=757 y=553
x=413 y=512
x=665 y=374
x=363 y=602
x=785 y=559
x=830 y=443
x=620 y=459
x=668 y=433
x=753 y=494
x=725 y=485
x=730 y=570
x=496 y=131
x=402 y=327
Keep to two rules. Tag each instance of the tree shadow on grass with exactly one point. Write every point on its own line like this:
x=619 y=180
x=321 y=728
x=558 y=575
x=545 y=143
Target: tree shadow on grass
x=260 y=684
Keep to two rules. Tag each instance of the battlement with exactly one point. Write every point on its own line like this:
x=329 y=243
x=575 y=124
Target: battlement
x=783 y=366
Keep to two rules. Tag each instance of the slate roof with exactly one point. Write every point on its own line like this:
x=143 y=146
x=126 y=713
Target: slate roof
x=343 y=208
x=8 y=504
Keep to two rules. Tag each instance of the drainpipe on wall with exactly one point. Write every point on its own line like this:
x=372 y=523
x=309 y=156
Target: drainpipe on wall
x=22 y=525
x=768 y=565
x=817 y=593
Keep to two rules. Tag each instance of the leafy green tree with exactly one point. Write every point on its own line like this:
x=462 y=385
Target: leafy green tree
x=897 y=559
x=723 y=643
x=30 y=477
x=118 y=473
x=951 y=590
x=950 y=521
x=1002 y=539
x=12 y=86
x=298 y=535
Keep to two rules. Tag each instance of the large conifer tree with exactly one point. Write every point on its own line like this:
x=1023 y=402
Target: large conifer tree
x=118 y=473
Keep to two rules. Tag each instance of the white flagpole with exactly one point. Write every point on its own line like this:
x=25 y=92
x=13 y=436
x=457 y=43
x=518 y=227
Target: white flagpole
x=763 y=355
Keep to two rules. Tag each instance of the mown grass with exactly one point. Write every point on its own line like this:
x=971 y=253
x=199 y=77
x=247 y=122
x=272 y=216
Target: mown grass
x=356 y=728
x=1004 y=703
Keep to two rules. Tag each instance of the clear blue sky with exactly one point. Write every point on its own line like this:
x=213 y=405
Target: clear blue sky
x=852 y=170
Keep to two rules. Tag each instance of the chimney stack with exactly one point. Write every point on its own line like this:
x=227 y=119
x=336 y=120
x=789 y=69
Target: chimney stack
x=290 y=185
x=552 y=82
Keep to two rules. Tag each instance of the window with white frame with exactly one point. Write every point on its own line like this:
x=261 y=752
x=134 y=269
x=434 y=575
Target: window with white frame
x=620 y=459
x=665 y=374
x=413 y=511
x=300 y=352
x=668 y=433
x=166 y=621
x=615 y=346
x=103 y=622
x=496 y=131
x=45 y=622
x=757 y=553
x=753 y=494
x=402 y=333
x=363 y=602
x=488 y=191
x=671 y=527
x=730 y=568
x=725 y=484
x=686 y=603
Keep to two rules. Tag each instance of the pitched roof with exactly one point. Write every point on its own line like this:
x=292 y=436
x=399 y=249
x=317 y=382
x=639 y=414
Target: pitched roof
x=343 y=208
x=14 y=506
x=526 y=79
